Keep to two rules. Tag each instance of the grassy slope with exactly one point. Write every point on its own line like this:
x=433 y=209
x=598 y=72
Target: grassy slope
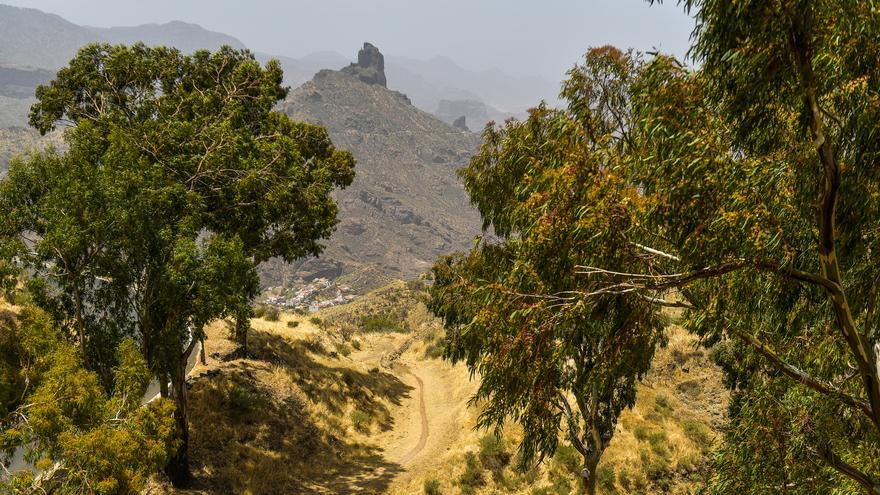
x=319 y=408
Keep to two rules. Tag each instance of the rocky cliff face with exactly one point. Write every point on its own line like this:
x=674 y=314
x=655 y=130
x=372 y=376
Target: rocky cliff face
x=370 y=67
x=406 y=205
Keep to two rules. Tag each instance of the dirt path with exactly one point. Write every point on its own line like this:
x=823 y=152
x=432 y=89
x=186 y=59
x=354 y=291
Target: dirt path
x=423 y=413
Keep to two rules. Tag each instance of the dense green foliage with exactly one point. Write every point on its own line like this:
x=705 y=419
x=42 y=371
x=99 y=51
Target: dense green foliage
x=752 y=196
x=179 y=178
x=102 y=442
x=745 y=191
x=513 y=305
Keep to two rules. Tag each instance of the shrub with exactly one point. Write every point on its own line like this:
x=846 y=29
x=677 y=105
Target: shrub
x=658 y=442
x=243 y=399
x=416 y=285
x=624 y=479
x=432 y=487
x=641 y=432
x=272 y=314
x=662 y=405
x=655 y=466
x=472 y=477
x=384 y=322
x=292 y=324
x=567 y=458
x=313 y=343
x=605 y=478
x=356 y=344
x=698 y=433
x=361 y=421
x=315 y=321
x=259 y=311
x=493 y=454
x=343 y=349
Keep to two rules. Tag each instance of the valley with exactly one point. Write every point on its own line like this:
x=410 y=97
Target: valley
x=330 y=404
x=330 y=248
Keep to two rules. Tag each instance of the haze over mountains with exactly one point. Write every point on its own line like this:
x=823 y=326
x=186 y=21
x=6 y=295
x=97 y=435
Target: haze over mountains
x=406 y=205
x=33 y=42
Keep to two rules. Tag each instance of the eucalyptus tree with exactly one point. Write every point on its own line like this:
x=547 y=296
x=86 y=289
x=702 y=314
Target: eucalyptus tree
x=759 y=174
x=178 y=175
x=547 y=358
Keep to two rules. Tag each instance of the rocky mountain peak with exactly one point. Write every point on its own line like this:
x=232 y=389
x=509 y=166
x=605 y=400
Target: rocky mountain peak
x=370 y=67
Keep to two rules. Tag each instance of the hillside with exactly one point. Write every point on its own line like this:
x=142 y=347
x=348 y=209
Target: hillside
x=19 y=141
x=353 y=399
x=406 y=204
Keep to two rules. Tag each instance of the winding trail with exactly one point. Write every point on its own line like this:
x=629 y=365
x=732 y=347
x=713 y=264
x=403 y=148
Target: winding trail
x=423 y=436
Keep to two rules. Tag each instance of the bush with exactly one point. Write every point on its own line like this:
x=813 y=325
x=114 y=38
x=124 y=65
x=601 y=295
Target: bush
x=655 y=466
x=243 y=399
x=568 y=459
x=641 y=432
x=343 y=349
x=416 y=285
x=432 y=487
x=624 y=479
x=361 y=421
x=658 y=442
x=292 y=324
x=698 y=433
x=472 y=477
x=272 y=314
x=662 y=405
x=313 y=344
x=493 y=454
x=259 y=311
x=605 y=478
x=315 y=321
x=356 y=344
x=384 y=322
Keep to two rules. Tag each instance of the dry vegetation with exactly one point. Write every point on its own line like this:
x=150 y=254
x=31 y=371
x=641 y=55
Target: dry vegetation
x=319 y=408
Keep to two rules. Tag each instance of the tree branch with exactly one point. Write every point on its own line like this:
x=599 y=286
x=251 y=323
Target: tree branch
x=848 y=470
x=802 y=376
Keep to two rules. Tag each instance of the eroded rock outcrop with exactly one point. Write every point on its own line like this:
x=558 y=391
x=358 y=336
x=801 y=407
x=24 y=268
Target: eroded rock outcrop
x=370 y=67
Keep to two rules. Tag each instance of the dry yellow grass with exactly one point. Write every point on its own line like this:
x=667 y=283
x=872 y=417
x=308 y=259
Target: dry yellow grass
x=302 y=416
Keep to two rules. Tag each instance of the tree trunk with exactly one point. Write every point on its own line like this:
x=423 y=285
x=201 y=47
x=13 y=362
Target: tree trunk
x=178 y=466
x=242 y=325
x=588 y=476
x=202 y=357
x=163 y=385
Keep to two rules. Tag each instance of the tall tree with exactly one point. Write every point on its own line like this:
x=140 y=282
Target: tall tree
x=544 y=359
x=178 y=175
x=759 y=174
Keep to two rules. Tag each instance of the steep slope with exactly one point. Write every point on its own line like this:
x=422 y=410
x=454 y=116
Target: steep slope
x=31 y=38
x=17 y=141
x=406 y=205
x=184 y=36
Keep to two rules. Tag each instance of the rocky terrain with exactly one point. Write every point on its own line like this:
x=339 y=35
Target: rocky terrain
x=406 y=204
x=18 y=141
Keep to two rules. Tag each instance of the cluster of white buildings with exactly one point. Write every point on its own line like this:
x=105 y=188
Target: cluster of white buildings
x=306 y=297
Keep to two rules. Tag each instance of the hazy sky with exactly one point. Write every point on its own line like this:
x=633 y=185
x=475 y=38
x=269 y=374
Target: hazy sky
x=534 y=37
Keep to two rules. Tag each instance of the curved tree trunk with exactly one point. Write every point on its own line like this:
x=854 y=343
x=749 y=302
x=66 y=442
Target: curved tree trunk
x=178 y=466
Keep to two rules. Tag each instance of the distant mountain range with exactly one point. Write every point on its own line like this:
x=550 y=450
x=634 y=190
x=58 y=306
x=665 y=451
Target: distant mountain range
x=33 y=44
x=406 y=204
